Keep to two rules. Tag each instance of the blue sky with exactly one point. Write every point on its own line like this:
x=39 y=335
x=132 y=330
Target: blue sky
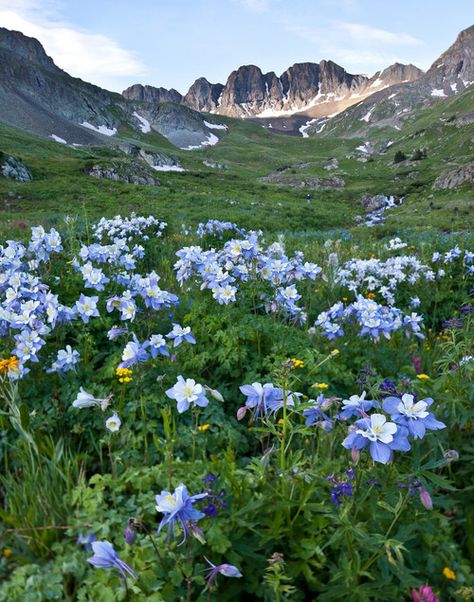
x=170 y=43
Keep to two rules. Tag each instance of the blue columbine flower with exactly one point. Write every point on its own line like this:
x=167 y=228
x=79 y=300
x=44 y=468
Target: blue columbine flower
x=86 y=307
x=178 y=507
x=412 y=415
x=355 y=406
x=180 y=334
x=315 y=414
x=382 y=436
x=186 y=392
x=86 y=540
x=158 y=345
x=134 y=353
x=228 y=570
x=105 y=557
x=261 y=397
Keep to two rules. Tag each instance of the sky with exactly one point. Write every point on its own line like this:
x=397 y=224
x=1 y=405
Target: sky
x=170 y=43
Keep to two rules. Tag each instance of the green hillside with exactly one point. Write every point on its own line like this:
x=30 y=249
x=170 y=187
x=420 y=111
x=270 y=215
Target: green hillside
x=245 y=154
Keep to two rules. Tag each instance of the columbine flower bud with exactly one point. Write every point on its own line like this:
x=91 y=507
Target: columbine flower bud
x=425 y=498
x=130 y=532
x=197 y=532
x=451 y=455
x=214 y=393
x=355 y=453
x=241 y=412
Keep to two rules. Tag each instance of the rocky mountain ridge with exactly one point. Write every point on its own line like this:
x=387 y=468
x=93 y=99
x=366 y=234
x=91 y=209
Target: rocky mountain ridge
x=312 y=89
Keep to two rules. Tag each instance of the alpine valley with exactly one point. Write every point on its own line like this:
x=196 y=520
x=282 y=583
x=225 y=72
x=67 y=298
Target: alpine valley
x=236 y=323
x=315 y=128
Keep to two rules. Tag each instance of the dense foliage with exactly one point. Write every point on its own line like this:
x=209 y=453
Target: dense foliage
x=181 y=408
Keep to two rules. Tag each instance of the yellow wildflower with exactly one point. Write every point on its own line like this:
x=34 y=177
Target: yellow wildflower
x=7 y=552
x=422 y=376
x=370 y=295
x=335 y=352
x=449 y=574
x=320 y=386
x=125 y=379
x=9 y=365
x=203 y=427
x=297 y=363
x=123 y=372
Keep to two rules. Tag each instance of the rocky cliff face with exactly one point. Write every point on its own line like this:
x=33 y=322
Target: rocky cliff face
x=27 y=48
x=395 y=74
x=151 y=94
x=203 y=96
x=323 y=87
x=454 y=70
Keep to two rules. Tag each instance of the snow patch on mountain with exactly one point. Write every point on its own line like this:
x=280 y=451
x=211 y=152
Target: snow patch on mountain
x=58 y=139
x=211 y=140
x=303 y=129
x=101 y=129
x=144 y=123
x=368 y=115
x=168 y=168
x=215 y=126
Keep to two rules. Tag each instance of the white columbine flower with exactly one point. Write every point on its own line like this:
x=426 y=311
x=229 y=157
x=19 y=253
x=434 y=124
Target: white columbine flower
x=85 y=400
x=379 y=429
x=410 y=409
x=354 y=400
x=113 y=423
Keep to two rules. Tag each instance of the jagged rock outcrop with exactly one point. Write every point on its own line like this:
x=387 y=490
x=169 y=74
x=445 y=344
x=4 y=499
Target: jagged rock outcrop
x=320 y=88
x=128 y=172
x=395 y=74
x=14 y=169
x=27 y=48
x=294 y=181
x=152 y=94
x=203 y=96
x=454 y=70
x=456 y=177
x=304 y=88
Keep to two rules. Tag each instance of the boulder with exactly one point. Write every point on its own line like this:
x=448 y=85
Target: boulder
x=456 y=177
x=131 y=172
x=13 y=169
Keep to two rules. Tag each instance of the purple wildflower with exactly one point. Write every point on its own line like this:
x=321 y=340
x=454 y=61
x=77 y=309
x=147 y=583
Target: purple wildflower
x=105 y=557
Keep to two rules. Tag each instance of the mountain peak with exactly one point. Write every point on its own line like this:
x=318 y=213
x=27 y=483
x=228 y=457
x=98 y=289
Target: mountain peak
x=27 y=48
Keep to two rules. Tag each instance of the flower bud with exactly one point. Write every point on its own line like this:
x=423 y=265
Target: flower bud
x=215 y=394
x=131 y=532
x=425 y=498
x=355 y=453
x=451 y=455
x=197 y=532
x=241 y=412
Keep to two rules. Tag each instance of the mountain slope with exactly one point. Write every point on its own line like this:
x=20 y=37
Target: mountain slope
x=39 y=97
x=450 y=74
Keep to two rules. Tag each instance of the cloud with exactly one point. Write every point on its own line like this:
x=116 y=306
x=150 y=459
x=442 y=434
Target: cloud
x=357 y=47
x=90 y=56
x=367 y=34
